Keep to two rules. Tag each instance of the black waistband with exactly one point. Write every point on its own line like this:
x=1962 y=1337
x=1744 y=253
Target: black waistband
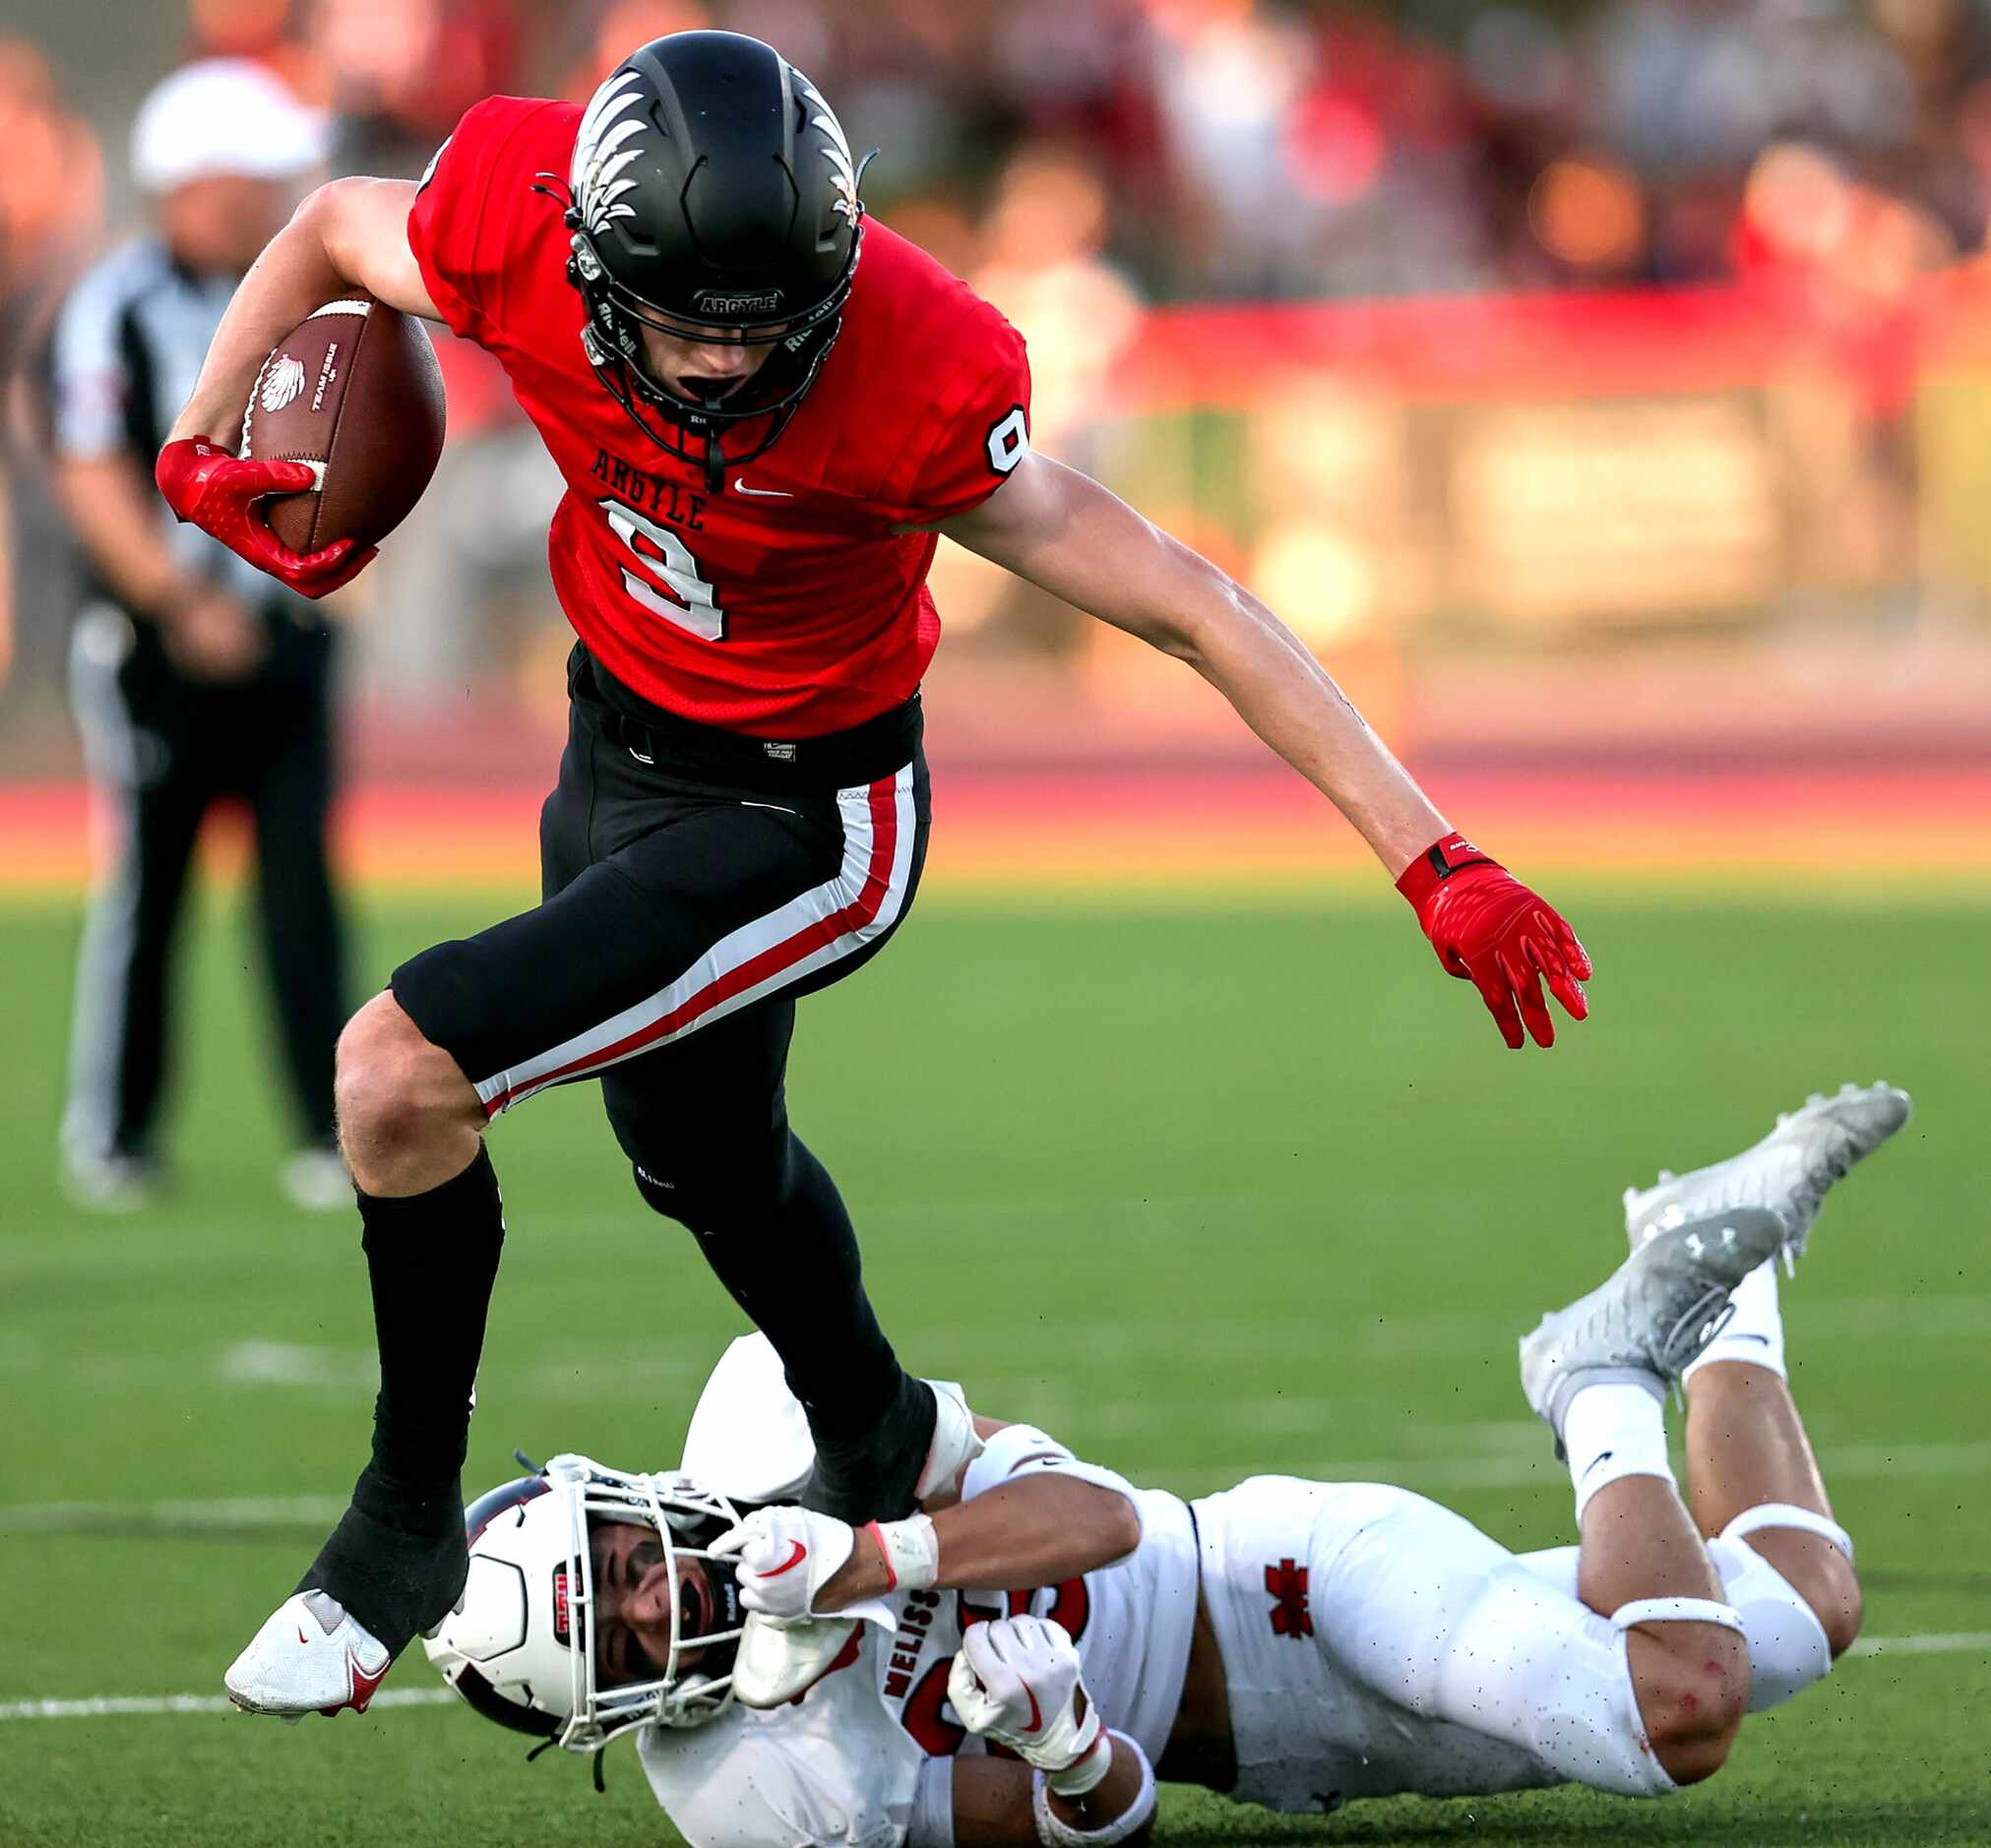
x=836 y=760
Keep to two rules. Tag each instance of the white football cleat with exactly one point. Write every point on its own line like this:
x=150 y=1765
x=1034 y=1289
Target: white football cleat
x=780 y=1657
x=1787 y=1173
x=310 y=1658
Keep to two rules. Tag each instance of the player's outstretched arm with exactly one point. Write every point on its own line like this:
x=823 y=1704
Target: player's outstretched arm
x=1066 y=533
x=1039 y=1530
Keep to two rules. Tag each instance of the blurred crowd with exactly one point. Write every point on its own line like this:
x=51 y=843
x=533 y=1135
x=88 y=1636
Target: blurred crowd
x=1078 y=158
x=1221 y=147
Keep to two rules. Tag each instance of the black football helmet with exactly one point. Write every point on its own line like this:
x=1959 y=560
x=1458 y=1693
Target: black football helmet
x=713 y=198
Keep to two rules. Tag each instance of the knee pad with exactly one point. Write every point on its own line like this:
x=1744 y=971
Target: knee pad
x=1788 y=1646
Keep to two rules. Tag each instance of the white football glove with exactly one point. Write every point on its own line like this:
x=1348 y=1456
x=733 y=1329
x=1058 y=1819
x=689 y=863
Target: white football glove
x=1016 y=1680
x=786 y=1556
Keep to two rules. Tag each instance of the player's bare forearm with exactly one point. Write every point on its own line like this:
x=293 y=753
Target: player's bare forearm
x=117 y=520
x=992 y=1802
x=1066 y=533
x=1037 y=1531
x=351 y=234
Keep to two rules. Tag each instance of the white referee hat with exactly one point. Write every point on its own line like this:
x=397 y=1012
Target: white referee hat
x=224 y=115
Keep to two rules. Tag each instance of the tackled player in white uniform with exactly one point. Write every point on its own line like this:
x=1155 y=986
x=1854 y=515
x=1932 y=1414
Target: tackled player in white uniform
x=1291 y=1643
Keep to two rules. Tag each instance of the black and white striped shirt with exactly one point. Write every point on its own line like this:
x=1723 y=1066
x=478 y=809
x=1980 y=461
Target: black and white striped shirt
x=126 y=350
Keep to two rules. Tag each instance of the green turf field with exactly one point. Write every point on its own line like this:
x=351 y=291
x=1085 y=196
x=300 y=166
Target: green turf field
x=1209 y=1191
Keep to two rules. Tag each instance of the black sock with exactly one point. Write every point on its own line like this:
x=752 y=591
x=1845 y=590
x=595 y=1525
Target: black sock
x=789 y=1259
x=397 y=1560
x=432 y=1260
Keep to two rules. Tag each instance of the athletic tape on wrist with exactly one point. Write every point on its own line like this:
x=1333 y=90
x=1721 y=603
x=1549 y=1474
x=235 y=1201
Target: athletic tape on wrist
x=1090 y=1762
x=1788 y=1515
x=912 y=1551
x=1677 y=1611
x=1056 y=1833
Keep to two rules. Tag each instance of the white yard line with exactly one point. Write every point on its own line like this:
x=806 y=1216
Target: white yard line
x=1936 y=1642
x=243 y=1514
x=128 y=1706
x=1518 y=1468
x=1504 y=1455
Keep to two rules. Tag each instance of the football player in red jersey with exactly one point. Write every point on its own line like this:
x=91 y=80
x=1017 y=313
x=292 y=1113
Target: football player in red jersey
x=766 y=407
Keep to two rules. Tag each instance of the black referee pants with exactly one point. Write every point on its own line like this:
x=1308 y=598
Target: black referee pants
x=162 y=751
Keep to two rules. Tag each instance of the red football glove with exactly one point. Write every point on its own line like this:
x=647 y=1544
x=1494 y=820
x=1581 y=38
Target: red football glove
x=1490 y=930
x=218 y=492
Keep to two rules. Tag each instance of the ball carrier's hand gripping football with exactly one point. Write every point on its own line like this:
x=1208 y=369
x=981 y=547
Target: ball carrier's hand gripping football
x=222 y=494
x=1492 y=931
x=342 y=432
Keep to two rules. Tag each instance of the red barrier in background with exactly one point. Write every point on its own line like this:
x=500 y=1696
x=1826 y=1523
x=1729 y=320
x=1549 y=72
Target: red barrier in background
x=1201 y=835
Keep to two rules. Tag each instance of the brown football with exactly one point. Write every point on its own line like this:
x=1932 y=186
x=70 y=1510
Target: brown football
x=355 y=390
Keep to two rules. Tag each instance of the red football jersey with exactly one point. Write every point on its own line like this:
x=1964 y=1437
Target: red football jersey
x=785 y=606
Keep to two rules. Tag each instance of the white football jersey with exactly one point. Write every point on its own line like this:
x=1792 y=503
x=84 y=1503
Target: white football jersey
x=840 y=1763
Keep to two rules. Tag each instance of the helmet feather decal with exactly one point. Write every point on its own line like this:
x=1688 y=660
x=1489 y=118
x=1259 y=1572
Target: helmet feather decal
x=842 y=169
x=598 y=187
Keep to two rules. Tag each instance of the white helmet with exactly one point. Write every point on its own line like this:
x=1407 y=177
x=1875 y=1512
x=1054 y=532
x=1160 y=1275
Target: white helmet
x=520 y=1645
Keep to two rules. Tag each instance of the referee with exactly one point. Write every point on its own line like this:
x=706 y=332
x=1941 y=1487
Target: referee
x=194 y=676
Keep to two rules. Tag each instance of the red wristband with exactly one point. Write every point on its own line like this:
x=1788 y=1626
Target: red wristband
x=1436 y=864
x=884 y=1553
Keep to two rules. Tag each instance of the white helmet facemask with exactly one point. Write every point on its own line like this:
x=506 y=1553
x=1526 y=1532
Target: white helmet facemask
x=522 y=1644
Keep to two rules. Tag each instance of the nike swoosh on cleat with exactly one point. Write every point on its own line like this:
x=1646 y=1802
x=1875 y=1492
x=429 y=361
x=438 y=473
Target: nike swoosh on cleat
x=364 y=1683
x=1603 y=1457
x=789 y=1563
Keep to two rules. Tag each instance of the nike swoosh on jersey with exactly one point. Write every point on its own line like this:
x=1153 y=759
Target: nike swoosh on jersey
x=762 y=494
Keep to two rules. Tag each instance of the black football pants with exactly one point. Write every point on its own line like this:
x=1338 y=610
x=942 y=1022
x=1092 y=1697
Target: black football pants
x=696 y=884
x=162 y=750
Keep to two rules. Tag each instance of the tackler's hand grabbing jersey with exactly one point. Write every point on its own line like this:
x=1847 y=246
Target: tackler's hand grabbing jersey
x=788 y=599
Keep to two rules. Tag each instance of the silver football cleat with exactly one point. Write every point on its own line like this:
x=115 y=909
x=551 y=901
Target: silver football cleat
x=1652 y=1316
x=1787 y=1173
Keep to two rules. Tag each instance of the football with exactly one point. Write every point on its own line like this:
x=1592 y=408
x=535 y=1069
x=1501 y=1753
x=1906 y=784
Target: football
x=354 y=391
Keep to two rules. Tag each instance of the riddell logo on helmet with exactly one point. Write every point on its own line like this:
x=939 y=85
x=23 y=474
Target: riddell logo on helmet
x=712 y=301
x=562 y=1627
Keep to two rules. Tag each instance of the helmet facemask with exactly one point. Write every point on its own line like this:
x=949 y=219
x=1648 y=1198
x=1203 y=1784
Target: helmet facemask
x=613 y=343
x=531 y=1660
